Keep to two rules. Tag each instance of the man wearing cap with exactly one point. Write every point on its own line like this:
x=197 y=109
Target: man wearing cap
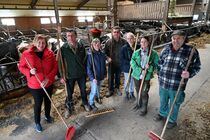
x=171 y=69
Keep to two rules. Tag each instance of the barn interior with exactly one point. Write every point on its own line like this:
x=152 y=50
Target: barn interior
x=21 y=20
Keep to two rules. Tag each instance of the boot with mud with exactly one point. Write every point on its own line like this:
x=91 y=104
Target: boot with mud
x=145 y=98
x=132 y=96
x=69 y=108
x=127 y=97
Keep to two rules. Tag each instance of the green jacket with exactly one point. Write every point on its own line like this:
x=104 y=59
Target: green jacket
x=74 y=61
x=136 y=64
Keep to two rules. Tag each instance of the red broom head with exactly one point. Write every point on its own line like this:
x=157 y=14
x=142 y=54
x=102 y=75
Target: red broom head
x=70 y=133
x=154 y=136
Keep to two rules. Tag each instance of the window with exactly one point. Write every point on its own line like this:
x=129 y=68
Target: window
x=195 y=17
x=8 y=21
x=45 y=21
x=82 y=19
x=53 y=19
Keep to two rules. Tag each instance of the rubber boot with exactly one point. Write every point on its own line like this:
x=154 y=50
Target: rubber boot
x=109 y=93
x=132 y=97
x=69 y=108
x=127 y=96
x=145 y=98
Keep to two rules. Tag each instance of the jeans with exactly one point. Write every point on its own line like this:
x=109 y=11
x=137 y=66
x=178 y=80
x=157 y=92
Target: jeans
x=95 y=91
x=130 y=84
x=166 y=100
x=82 y=86
x=114 y=77
x=38 y=95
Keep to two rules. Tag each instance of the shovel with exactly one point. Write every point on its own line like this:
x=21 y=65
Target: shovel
x=153 y=135
x=70 y=130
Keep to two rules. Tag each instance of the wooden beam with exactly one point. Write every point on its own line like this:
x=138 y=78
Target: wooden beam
x=33 y=3
x=82 y=4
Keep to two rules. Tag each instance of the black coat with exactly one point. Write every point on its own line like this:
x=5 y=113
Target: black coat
x=125 y=57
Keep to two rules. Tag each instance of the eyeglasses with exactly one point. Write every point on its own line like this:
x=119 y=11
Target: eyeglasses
x=116 y=32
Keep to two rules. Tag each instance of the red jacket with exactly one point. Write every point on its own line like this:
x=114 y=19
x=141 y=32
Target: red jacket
x=46 y=68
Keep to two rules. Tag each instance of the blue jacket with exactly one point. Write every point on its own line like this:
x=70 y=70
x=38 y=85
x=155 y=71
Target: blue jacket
x=125 y=57
x=99 y=59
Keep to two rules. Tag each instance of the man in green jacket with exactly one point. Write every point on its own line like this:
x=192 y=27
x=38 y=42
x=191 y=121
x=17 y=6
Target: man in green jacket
x=139 y=63
x=74 y=59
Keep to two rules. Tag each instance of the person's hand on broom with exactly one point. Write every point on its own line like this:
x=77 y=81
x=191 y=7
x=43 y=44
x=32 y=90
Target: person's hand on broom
x=63 y=80
x=45 y=82
x=33 y=71
x=185 y=74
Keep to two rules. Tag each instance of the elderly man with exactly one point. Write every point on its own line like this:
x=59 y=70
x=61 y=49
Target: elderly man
x=74 y=56
x=171 y=70
x=112 y=50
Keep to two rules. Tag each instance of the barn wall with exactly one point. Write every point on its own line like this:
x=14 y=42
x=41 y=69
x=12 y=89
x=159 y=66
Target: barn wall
x=28 y=23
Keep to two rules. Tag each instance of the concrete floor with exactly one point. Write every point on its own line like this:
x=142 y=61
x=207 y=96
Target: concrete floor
x=123 y=123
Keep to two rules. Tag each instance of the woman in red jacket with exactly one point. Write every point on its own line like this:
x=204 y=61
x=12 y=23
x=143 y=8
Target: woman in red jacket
x=44 y=65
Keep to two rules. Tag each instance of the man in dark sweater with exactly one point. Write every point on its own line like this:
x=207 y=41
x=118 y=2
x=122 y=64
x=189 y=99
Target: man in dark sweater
x=74 y=58
x=112 y=50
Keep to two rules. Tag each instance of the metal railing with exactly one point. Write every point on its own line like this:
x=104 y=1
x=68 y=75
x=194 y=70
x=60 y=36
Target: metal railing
x=10 y=78
x=184 y=10
x=142 y=11
x=151 y=11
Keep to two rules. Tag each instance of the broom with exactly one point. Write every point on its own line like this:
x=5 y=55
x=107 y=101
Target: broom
x=153 y=135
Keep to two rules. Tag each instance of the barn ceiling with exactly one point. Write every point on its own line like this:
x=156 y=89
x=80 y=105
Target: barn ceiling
x=15 y=8
x=48 y=4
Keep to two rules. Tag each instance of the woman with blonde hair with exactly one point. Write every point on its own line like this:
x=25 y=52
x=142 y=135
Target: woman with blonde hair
x=44 y=66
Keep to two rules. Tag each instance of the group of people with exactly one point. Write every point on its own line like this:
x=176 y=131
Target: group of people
x=138 y=62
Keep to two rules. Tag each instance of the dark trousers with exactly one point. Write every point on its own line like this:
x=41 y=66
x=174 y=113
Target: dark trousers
x=144 y=96
x=82 y=86
x=114 y=77
x=39 y=95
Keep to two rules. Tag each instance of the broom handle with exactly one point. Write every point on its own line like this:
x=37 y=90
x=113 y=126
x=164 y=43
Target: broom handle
x=177 y=93
x=94 y=72
x=129 y=73
x=47 y=93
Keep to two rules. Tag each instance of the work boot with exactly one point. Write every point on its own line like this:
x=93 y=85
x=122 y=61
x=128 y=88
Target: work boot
x=158 y=117
x=98 y=100
x=87 y=108
x=109 y=93
x=49 y=119
x=132 y=97
x=67 y=114
x=145 y=98
x=94 y=108
x=171 y=125
x=119 y=93
x=127 y=96
x=69 y=105
x=38 y=127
